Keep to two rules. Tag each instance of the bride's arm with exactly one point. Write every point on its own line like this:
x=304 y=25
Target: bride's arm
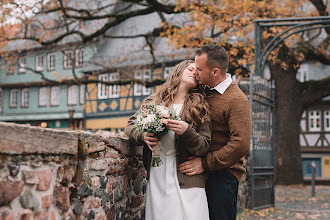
x=196 y=142
x=133 y=134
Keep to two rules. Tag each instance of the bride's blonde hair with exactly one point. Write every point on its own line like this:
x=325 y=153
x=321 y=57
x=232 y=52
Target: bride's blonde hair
x=195 y=107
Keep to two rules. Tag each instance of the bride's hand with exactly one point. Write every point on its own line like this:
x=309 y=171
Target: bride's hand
x=178 y=127
x=150 y=140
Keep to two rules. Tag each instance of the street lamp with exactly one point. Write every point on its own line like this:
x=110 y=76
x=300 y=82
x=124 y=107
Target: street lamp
x=71 y=113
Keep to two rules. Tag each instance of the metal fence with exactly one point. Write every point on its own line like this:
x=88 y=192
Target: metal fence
x=261 y=169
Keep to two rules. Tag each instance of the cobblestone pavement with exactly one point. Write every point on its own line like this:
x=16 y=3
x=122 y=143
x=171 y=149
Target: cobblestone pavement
x=294 y=202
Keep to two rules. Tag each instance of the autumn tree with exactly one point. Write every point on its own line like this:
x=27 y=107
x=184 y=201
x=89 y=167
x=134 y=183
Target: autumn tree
x=225 y=22
x=190 y=24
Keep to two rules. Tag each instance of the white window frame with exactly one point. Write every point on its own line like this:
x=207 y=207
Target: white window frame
x=167 y=71
x=138 y=87
x=314 y=120
x=13 y=98
x=80 y=57
x=22 y=64
x=57 y=124
x=25 y=95
x=39 y=62
x=51 y=61
x=142 y=75
x=43 y=96
x=146 y=77
x=304 y=74
x=68 y=58
x=72 y=95
x=114 y=90
x=82 y=95
x=102 y=89
x=326 y=115
x=55 y=96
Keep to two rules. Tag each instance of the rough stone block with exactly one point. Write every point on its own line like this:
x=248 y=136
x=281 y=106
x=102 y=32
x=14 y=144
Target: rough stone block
x=97 y=165
x=36 y=140
x=62 y=197
x=92 y=204
x=10 y=190
x=101 y=216
x=6 y=213
x=42 y=178
x=29 y=201
x=47 y=201
x=92 y=142
x=45 y=178
x=30 y=177
x=24 y=216
x=40 y=215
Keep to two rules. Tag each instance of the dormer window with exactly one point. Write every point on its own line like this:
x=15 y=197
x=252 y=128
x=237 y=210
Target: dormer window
x=51 y=61
x=39 y=62
x=22 y=64
x=68 y=59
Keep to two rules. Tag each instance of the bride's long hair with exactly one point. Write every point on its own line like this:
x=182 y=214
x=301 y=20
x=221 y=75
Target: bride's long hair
x=195 y=107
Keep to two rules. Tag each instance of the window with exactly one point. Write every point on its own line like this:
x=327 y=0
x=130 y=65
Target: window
x=25 y=97
x=307 y=166
x=39 y=62
x=43 y=96
x=167 y=71
x=57 y=124
x=51 y=61
x=327 y=120
x=68 y=59
x=146 y=77
x=13 y=98
x=303 y=73
x=55 y=95
x=102 y=91
x=80 y=57
x=82 y=95
x=314 y=120
x=22 y=65
x=72 y=95
x=114 y=90
x=138 y=88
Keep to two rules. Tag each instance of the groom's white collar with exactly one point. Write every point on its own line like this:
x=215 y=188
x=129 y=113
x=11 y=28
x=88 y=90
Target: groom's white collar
x=221 y=87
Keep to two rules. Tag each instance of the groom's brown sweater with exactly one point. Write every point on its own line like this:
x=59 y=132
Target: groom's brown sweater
x=231 y=131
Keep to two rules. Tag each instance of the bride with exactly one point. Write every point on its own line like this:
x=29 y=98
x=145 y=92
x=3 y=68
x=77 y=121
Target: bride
x=171 y=194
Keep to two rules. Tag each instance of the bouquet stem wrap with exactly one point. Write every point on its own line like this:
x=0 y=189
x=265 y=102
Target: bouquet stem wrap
x=155 y=160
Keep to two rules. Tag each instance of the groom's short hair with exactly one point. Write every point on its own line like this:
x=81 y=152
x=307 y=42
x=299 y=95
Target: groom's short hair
x=217 y=56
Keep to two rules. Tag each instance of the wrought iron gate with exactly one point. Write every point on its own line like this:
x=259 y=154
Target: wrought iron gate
x=261 y=95
x=262 y=145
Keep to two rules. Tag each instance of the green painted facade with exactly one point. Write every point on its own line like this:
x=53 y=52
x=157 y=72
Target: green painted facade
x=55 y=115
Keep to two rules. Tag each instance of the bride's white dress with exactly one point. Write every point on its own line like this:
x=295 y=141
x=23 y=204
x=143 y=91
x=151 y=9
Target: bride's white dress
x=164 y=198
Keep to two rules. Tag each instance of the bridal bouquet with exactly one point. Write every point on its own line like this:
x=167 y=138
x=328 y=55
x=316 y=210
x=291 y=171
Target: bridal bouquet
x=152 y=119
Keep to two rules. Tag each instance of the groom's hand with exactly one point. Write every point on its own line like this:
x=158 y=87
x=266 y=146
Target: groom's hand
x=192 y=167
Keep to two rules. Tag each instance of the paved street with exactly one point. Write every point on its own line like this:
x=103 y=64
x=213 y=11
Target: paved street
x=295 y=202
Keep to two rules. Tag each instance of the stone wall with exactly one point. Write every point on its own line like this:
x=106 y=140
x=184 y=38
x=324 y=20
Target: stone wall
x=56 y=174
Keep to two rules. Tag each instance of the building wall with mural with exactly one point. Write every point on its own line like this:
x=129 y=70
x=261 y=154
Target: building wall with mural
x=108 y=107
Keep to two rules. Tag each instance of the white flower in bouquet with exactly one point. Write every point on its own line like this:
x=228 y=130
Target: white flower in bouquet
x=152 y=119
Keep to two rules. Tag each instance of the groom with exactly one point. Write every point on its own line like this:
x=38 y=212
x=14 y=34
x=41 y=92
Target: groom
x=231 y=131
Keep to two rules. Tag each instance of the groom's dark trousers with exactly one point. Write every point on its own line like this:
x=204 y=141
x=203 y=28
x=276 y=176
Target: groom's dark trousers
x=221 y=190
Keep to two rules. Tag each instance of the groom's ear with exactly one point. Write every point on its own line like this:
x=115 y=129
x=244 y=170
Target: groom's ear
x=216 y=71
